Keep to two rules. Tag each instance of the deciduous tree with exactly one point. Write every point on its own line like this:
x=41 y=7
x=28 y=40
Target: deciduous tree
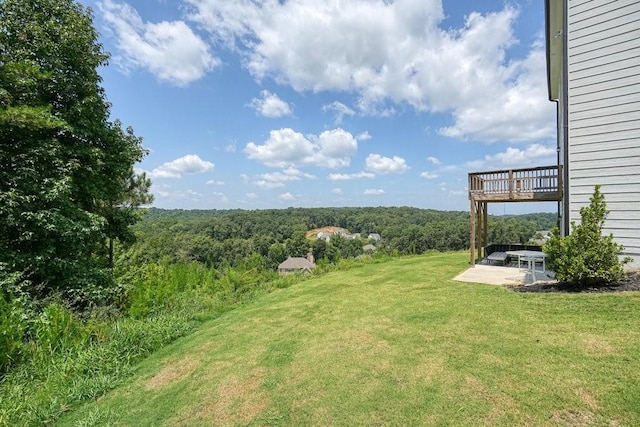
x=66 y=171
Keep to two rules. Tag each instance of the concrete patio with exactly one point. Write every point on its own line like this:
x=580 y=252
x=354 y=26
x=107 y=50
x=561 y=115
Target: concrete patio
x=499 y=275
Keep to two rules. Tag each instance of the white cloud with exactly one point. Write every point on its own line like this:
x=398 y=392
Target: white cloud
x=515 y=157
x=515 y=112
x=230 y=148
x=269 y=185
x=339 y=110
x=373 y=192
x=289 y=174
x=336 y=190
x=385 y=165
x=286 y=196
x=169 y=50
x=251 y=195
x=288 y=148
x=350 y=176
x=531 y=154
x=213 y=182
x=434 y=160
x=429 y=175
x=222 y=197
x=390 y=53
x=189 y=164
x=270 y=105
x=363 y=136
x=277 y=179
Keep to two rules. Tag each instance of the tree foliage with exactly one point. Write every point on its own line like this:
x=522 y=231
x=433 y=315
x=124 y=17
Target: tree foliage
x=66 y=172
x=586 y=257
x=227 y=237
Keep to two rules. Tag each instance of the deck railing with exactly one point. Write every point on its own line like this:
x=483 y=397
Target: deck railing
x=540 y=183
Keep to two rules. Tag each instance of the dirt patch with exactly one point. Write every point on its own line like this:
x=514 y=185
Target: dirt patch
x=630 y=283
x=237 y=401
x=567 y=417
x=587 y=398
x=596 y=346
x=172 y=372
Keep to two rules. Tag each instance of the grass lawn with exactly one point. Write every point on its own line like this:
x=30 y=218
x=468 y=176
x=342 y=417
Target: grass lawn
x=396 y=343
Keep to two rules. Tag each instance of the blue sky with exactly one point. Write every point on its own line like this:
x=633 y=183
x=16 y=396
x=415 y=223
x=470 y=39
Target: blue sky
x=258 y=104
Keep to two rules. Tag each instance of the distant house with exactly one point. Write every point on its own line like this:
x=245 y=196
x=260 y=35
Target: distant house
x=324 y=235
x=369 y=248
x=297 y=265
x=374 y=236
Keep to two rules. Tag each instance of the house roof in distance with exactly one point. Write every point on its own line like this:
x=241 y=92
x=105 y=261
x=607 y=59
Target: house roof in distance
x=296 y=263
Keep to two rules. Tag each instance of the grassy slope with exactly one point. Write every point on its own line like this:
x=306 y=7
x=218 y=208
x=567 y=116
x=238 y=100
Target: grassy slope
x=396 y=343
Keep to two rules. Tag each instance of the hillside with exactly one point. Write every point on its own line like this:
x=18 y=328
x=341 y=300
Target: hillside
x=394 y=343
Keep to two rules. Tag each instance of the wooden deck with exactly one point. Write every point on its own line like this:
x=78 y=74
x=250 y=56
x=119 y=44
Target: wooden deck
x=517 y=185
x=540 y=184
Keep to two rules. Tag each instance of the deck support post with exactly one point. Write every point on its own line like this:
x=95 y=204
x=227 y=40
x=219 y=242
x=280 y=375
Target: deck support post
x=485 y=227
x=479 y=229
x=472 y=237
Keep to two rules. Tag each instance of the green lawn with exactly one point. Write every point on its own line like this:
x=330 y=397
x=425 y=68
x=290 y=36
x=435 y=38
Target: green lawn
x=396 y=343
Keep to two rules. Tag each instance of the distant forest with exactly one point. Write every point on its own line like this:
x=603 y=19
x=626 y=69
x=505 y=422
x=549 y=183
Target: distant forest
x=264 y=238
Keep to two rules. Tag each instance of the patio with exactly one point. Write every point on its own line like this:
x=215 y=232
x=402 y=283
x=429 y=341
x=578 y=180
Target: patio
x=510 y=274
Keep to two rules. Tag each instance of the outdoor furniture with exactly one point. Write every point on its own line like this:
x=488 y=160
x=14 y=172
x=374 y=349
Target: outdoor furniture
x=498 y=256
x=531 y=258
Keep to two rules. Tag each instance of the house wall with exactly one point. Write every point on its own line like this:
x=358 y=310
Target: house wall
x=603 y=82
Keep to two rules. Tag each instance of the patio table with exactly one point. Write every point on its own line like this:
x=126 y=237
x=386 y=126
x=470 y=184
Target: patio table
x=531 y=258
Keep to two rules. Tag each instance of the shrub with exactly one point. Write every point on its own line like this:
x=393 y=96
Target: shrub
x=586 y=257
x=12 y=330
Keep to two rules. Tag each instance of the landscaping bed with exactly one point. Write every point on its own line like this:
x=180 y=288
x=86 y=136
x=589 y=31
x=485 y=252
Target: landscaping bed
x=631 y=282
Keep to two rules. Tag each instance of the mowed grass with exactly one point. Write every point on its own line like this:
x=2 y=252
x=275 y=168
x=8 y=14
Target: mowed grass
x=395 y=343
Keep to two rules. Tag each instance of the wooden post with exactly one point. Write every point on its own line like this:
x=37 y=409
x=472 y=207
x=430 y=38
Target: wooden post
x=510 y=184
x=479 y=228
x=472 y=237
x=485 y=226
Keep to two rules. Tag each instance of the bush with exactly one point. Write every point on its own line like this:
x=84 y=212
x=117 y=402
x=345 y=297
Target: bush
x=12 y=330
x=586 y=257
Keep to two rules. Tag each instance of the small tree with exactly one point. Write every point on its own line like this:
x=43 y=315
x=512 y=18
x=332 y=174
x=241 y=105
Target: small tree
x=586 y=257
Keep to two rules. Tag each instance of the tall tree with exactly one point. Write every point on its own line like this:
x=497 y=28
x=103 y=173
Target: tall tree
x=66 y=171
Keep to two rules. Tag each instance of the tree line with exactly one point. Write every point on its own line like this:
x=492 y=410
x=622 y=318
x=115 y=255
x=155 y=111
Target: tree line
x=267 y=237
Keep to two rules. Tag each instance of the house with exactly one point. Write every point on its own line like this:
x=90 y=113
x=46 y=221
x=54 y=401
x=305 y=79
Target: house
x=593 y=74
x=369 y=248
x=297 y=265
x=374 y=236
x=324 y=235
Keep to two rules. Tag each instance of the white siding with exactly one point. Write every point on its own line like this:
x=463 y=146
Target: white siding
x=603 y=57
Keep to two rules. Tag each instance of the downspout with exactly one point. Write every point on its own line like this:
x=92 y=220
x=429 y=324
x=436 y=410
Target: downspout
x=565 y=116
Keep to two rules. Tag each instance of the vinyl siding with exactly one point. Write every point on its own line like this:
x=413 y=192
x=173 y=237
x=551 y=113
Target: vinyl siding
x=603 y=54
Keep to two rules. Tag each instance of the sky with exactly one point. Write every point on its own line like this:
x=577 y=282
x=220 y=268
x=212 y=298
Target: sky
x=259 y=104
